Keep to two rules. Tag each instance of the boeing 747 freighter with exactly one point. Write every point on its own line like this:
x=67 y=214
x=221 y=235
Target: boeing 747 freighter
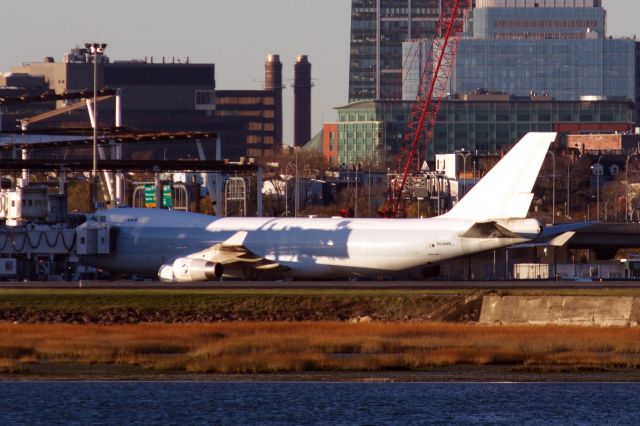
x=190 y=247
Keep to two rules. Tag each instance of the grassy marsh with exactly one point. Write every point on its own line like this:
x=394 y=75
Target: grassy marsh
x=130 y=306
x=286 y=347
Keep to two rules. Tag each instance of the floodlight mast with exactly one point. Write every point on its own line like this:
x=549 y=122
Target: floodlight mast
x=96 y=49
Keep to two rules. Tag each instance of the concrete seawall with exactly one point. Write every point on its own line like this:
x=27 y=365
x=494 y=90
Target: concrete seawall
x=560 y=310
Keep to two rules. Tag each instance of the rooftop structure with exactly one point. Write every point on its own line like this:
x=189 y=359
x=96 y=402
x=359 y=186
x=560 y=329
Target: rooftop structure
x=542 y=23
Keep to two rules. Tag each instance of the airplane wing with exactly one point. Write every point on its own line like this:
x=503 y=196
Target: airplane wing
x=231 y=259
x=233 y=251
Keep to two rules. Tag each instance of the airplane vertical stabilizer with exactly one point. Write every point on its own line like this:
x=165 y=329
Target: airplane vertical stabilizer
x=505 y=192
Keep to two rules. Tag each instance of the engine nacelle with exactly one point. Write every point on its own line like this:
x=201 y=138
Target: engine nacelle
x=186 y=269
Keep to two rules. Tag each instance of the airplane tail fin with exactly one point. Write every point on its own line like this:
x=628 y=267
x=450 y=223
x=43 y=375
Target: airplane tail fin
x=505 y=192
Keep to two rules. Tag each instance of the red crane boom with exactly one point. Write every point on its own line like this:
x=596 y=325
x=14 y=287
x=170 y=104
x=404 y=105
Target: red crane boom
x=431 y=91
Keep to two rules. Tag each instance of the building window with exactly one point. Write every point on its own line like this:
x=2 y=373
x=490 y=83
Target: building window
x=205 y=100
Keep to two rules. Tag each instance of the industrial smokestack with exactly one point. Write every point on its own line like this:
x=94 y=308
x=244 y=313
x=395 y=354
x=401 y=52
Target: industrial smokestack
x=301 y=101
x=273 y=81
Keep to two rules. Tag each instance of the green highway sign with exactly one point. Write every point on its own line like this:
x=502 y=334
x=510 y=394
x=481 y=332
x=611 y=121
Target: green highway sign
x=150 y=196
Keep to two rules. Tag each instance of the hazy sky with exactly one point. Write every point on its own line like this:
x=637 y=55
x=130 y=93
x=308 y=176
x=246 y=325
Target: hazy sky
x=236 y=35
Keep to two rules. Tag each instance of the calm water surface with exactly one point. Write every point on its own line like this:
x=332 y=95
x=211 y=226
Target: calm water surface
x=317 y=403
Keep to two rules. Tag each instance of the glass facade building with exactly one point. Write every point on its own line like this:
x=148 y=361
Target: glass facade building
x=517 y=46
x=378 y=28
x=561 y=51
x=543 y=23
x=522 y=65
x=563 y=69
x=370 y=132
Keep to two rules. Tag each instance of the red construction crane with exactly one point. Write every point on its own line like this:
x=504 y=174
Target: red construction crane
x=431 y=90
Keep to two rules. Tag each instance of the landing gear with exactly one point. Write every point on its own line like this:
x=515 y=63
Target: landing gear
x=431 y=271
x=250 y=274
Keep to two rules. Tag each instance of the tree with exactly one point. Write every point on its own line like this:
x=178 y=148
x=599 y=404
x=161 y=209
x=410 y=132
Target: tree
x=280 y=175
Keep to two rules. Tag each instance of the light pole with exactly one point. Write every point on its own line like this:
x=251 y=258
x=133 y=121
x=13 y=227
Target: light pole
x=568 y=212
x=286 y=197
x=295 y=196
x=369 y=191
x=96 y=49
x=355 y=210
x=296 y=202
x=598 y=189
x=553 y=189
x=626 y=187
x=474 y=172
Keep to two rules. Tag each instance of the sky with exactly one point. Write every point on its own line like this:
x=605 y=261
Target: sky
x=236 y=35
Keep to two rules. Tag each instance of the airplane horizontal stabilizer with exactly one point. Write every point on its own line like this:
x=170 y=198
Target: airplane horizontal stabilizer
x=562 y=239
x=557 y=241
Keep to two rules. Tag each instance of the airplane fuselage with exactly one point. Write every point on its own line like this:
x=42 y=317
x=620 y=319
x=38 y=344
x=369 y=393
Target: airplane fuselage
x=306 y=248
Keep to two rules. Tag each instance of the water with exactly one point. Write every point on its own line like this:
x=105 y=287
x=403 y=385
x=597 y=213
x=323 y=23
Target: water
x=248 y=403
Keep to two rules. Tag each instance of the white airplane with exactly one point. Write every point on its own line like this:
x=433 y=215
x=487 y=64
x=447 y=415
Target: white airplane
x=190 y=247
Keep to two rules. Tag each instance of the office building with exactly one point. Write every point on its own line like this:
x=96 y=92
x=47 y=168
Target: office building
x=370 y=132
x=558 y=48
x=164 y=95
x=248 y=116
x=378 y=28
x=15 y=85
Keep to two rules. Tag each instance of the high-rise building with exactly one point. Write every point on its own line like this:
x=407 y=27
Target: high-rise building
x=555 y=47
x=378 y=28
x=558 y=47
x=522 y=65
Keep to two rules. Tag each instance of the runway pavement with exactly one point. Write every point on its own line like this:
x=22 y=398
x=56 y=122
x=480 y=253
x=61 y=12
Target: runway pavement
x=364 y=285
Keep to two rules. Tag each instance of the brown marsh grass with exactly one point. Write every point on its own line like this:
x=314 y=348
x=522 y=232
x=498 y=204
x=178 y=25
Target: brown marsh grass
x=256 y=347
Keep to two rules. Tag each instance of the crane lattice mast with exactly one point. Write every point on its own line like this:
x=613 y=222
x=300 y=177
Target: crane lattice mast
x=431 y=91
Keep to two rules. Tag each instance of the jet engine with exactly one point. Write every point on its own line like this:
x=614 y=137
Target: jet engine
x=186 y=269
